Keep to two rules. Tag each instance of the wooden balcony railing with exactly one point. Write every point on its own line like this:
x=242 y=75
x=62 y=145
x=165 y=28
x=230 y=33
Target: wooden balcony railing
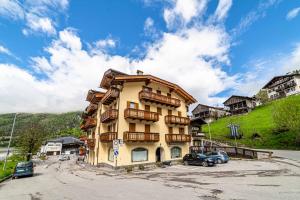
x=110 y=96
x=91 y=143
x=158 y=98
x=91 y=108
x=140 y=137
x=172 y=119
x=109 y=115
x=83 y=138
x=108 y=136
x=175 y=138
x=131 y=113
x=90 y=123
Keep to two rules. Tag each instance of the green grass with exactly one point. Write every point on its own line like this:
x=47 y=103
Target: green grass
x=259 y=121
x=10 y=165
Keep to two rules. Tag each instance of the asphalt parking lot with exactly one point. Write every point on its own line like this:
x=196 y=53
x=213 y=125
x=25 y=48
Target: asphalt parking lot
x=239 y=179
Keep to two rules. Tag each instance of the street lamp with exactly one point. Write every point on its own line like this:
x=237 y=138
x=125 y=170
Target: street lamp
x=11 y=133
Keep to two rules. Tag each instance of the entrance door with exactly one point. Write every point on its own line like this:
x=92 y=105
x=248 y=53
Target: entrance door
x=158 y=154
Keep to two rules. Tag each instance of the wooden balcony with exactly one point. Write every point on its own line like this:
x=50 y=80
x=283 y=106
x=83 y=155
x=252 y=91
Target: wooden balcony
x=91 y=108
x=159 y=99
x=91 y=143
x=108 y=136
x=177 y=138
x=109 y=115
x=172 y=119
x=90 y=123
x=140 y=137
x=111 y=95
x=83 y=138
x=131 y=113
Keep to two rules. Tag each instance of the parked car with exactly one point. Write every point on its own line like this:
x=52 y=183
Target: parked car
x=198 y=159
x=63 y=157
x=219 y=156
x=23 y=169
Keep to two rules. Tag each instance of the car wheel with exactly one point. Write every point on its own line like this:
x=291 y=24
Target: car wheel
x=204 y=164
x=219 y=161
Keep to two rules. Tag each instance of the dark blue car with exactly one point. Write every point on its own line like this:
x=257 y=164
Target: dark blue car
x=23 y=169
x=198 y=159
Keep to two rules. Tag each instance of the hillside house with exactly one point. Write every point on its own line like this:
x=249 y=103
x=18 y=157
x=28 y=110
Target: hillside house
x=240 y=104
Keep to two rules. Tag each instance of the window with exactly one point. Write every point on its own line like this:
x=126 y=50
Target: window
x=147 y=128
x=109 y=128
x=132 y=105
x=169 y=95
x=139 y=155
x=179 y=114
x=169 y=112
x=175 y=152
x=181 y=130
x=147 y=89
x=170 y=130
x=111 y=154
x=131 y=127
x=158 y=91
x=147 y=107
x=159 y=110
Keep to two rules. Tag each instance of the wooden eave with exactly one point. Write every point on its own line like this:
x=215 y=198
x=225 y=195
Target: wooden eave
x=236 y=96
x=94 y=96
x=149 y=78
x=108 y=77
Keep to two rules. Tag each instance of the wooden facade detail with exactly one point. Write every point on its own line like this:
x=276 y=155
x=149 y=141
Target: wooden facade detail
x=239 y=104
x=91 y=143
x=94 y=96
x=177 y=138
x=149 y=96
x=111 y=95
x=91 y=108
x=172 y=119
x=131 y=113
x=130 y=136
x=108 y=136
x=109 y=115
x=90 y=123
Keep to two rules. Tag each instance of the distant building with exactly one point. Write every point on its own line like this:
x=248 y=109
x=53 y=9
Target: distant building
x=282 y=86
x=209 y=113
x=62 y=145
x=240 y=104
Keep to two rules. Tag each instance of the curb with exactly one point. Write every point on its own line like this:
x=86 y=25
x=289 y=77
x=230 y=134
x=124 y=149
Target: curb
x=4 y=179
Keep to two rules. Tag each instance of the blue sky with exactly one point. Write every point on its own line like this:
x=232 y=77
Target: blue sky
x=212 y=48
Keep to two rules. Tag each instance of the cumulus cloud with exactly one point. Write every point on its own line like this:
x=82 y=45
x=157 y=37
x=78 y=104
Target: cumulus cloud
x=38 y=16
x=293 y=13
x=183 y=11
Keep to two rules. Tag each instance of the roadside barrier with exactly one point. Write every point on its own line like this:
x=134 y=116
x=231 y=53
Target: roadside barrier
x=232 y=151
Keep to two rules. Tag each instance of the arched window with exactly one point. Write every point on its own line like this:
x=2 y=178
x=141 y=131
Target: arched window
x=139 y=155
x=111 y=154
x=175 y=152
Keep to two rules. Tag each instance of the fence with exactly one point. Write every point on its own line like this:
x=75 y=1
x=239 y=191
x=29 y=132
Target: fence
x=232 y=151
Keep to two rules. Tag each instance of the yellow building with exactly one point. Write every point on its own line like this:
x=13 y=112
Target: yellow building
x=145 y=112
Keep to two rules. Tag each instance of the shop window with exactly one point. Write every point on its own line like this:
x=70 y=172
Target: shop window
x=175 y=152
x=139 y=155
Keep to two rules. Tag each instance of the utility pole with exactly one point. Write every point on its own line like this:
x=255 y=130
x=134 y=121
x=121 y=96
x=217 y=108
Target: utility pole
x=8 y=148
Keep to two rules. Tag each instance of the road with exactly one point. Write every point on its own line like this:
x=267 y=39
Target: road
x=239 y=179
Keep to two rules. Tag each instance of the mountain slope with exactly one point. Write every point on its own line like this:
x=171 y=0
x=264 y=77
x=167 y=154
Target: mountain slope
x=259 y=121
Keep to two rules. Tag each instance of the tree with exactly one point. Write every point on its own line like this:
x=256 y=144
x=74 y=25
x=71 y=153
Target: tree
x=262 y=95
x=30 y=140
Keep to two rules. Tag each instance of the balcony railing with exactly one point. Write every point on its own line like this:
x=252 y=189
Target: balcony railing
x=172 y=119
x=110 y=96
x=108 y=136
x=140 y=137
x=131 y=113
x=91 y=108
x=109 y=115
x=159 y=99
x=175 y=138
x=83 y=138
x=90 y=123
x=91 y=143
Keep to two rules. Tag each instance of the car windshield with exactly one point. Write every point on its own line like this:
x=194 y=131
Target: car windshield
x=24 y=164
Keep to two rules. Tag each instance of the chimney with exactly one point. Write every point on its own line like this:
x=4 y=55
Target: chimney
x=139 y=72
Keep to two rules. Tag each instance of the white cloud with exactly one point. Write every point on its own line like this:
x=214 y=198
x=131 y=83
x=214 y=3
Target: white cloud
x=40 y=24
x=11 y=9
x=183 y=11
x=38 y=16
x=5 y=51
x=222 y=9
x=293 y=13
x=107 y=43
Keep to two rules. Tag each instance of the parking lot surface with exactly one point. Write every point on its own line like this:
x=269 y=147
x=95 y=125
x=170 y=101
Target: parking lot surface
x=239 y=179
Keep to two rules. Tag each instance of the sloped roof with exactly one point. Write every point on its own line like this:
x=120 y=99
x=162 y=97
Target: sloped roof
x=237 y=96
x=218 y=108
x=275 y=78
x=67 y=140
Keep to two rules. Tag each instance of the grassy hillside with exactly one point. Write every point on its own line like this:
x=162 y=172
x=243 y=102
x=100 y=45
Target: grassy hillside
x=54 y=124
x=259 y=121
